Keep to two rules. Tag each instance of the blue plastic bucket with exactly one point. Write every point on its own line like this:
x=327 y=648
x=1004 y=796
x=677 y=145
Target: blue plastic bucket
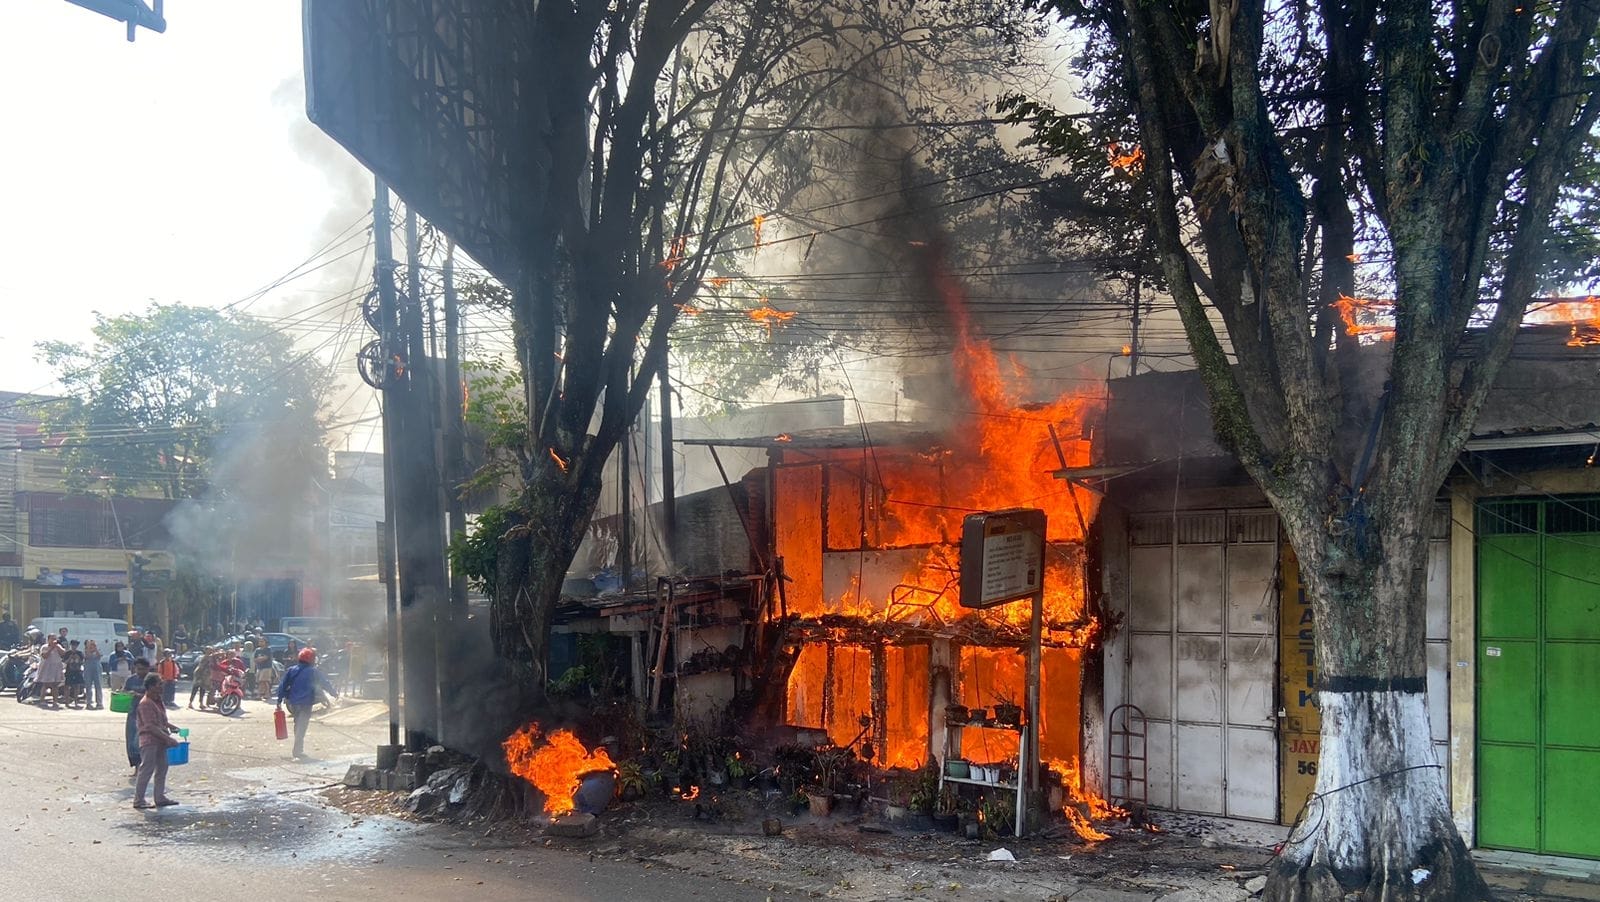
x=178 y=754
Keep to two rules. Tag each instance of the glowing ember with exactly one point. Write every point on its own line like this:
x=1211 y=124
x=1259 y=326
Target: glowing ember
x=560 y=461
x=783 y=437
x=553 y=765
x=690 y=794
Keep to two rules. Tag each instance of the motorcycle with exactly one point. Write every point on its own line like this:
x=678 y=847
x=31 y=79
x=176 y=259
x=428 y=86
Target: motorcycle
x=29 y=677
x=13 y=664
x=230 y=698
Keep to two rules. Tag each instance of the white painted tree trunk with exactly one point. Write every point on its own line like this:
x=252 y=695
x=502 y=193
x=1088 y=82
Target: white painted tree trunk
x=1379 y=825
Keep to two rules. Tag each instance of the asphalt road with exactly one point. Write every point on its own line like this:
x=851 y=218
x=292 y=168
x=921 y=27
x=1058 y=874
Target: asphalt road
x=252 y=824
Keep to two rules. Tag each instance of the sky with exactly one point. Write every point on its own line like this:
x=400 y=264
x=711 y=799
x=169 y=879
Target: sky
x=177 y=168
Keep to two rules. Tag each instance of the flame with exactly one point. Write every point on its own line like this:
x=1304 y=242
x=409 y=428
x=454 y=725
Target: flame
x=689 y=309
x=756 y=225
x=719 y=282
x=1129 y=161
x=690 y=794
x=783 y=437
x=553 y=765
x=1083 y=806
x=1358 y=314
x=904 y=509
x=1582 y=314
x=560 y=462
x=768 y=315
x=675 y=254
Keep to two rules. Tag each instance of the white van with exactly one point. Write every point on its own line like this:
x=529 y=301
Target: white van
x=105 y=632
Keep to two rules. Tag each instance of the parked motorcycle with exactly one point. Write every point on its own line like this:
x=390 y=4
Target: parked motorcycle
x=13 y=664
x=29 y=677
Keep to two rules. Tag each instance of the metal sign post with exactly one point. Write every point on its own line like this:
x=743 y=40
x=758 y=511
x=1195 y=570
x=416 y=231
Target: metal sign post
x=1002 y=560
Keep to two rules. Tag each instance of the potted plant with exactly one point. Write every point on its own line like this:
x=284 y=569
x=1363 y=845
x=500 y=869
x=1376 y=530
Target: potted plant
x=947 y=811
x=820 y=800
x=978 y=717
x=956 y=715
x=631 y=782
x=1007 y=713
x=738 y=770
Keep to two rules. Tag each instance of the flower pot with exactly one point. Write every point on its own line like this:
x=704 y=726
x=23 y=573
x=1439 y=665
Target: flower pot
x=956 y=714
x=958 y=768
x=947 y=823
x=821 y=803
x=894 y=813
x=1008 y=715
x=978 y=717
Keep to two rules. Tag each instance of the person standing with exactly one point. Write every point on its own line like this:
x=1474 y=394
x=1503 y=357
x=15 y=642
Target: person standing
x=52 y=672
x=74 y=662
x=135 y=685
x=200 y=679
x=92 y=677
x=168 y=671
x=10 y=634
x=155 y=737
x=119 y=666
x=299 y=690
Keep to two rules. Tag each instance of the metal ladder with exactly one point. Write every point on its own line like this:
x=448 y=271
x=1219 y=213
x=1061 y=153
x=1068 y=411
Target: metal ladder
x=1127 y=753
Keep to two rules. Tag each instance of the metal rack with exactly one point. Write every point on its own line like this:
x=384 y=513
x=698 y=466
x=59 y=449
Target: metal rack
x=1015 y=786
x=1129 y=763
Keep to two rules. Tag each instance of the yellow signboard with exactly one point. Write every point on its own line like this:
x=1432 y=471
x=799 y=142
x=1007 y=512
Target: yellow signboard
x=1301 y=725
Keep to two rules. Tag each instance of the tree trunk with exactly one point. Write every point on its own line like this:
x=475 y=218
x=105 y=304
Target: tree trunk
x=1378 y=826
x=534 y=557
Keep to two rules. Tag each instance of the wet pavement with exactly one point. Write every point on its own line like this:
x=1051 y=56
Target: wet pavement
x=253 y=821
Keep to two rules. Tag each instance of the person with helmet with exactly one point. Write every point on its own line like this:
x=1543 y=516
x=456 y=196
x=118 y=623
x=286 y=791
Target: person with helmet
x=298 y=690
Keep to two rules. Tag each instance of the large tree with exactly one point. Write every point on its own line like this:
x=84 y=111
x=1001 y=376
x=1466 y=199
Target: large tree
x=664 y=134
x=215 y=410
x=1283 y=145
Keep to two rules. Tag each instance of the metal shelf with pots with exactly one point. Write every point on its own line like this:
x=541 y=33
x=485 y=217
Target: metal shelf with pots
x=960 y=771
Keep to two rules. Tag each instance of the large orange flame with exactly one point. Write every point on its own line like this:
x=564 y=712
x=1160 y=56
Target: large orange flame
x=1582 y=314
x=904 y=507
x=552 y=764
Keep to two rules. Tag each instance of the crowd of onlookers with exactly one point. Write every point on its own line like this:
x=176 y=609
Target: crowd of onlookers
x=73 y=674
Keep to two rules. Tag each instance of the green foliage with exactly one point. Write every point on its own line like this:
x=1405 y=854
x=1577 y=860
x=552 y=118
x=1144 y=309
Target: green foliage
x=476 y=552
x=156 y=399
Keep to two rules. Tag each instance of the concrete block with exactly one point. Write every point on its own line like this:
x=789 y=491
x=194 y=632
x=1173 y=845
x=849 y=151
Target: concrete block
x=407 y=763
x=573 y=826
x=436 y=757
x=356 y=776
x=388 y=755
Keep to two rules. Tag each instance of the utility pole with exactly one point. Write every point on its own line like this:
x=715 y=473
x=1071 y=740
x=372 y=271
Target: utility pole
x=383 y=360
x=455 y=463
x=669 y=477
x=420 y=540
x=625 y=544
x=1133 y=342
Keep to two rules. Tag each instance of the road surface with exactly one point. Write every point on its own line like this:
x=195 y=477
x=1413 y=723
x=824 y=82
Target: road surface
x=252 y=824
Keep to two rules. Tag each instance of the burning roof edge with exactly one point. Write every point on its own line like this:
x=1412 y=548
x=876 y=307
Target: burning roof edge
x=885 y=433
x=1540 y=398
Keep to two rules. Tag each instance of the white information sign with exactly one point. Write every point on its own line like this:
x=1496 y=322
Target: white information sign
x=1010 y=566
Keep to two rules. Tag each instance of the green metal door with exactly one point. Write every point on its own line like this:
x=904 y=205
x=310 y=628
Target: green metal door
x=1539 y=675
